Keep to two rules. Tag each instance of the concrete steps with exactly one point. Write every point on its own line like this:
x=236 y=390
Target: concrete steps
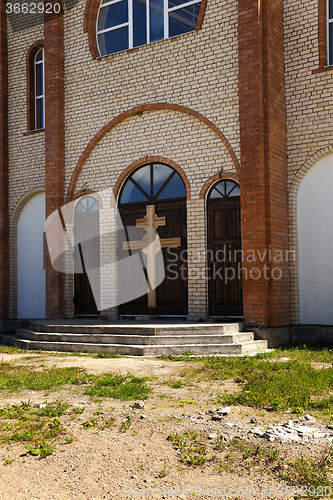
x=131 y=338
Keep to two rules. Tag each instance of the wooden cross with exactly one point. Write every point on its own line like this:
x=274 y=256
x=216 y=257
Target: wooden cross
x=151 y=244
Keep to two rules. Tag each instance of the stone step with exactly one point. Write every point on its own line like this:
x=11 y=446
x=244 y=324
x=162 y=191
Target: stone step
x=174 y=338
x=136 y=350
x=135 y=328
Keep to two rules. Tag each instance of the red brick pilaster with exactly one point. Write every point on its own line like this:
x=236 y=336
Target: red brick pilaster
x=4 y=221
x=263 y=175
x=276 y=163
x=252 y=174
x=322 y=33
x=54 y=145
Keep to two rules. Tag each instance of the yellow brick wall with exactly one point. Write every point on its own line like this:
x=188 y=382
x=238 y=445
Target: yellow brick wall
x=309 y=100
x=26 y=152
x=198 y=70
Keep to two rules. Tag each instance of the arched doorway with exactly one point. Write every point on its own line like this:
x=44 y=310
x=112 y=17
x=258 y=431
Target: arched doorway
x=161 y=187
x=86 y=254
x=31 y=259
x=224 y=250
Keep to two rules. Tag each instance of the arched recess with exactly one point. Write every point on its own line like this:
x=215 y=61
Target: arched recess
x=293 y=232
x=139 y=110
x=315 y=243
x=31 y=259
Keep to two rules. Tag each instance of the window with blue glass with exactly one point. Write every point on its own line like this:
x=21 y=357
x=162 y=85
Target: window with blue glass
x=124 y=24
x=152 y=183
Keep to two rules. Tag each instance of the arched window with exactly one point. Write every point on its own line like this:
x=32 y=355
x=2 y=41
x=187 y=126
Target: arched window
x=224 y=189
x=124 y=24
x=151 y=183
x=35 y=87
x=39 y=90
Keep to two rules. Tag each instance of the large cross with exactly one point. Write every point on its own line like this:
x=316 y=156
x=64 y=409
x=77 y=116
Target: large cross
x=151 y=244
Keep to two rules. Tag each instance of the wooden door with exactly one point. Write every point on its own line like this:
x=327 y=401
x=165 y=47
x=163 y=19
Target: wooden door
x=171 y=294
x=224 y=257
x=86 y=256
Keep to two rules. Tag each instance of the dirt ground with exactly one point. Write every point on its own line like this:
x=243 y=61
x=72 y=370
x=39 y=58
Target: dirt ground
x=141 y=462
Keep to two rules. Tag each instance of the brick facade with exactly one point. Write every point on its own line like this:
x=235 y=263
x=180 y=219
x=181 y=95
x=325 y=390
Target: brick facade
x=247 y=96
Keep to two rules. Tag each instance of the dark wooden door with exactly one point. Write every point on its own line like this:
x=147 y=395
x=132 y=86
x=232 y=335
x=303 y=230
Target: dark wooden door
x=171 y=294
x=86 y=256
x=224 y=259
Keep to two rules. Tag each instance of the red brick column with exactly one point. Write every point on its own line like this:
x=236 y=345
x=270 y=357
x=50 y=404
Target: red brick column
x=276 y=163
x=54 y=145
x=4 y=221
x=252 y=174
x=263 y=175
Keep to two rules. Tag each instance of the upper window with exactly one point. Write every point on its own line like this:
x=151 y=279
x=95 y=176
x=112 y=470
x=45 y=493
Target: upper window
x=39 y=90
x=330 y=32
x=152 y=183
x=124 y=24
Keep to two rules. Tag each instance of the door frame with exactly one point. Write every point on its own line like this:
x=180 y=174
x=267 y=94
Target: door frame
x=209 y=286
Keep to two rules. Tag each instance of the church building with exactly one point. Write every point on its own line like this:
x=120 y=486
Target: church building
x=206 y=122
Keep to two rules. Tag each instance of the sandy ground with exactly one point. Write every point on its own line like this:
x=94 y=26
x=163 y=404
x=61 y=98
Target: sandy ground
x=141 y=462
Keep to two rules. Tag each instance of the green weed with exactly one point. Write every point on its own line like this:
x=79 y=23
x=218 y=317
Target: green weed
x=41 y=448
x=126 y=423
x=311 y=472
x=126 y=387
x=192 y=452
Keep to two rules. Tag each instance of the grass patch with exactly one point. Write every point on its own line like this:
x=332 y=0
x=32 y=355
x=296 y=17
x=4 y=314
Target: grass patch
x=125 y=387
x=313 y=473
x=192 y=450
x=5 y=349
x=269 y=383
x=14 y=377
x=38 y=425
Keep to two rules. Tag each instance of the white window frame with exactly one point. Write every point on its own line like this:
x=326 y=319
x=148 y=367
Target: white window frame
x=328 y=22
x=42 y=96
x=129 y=23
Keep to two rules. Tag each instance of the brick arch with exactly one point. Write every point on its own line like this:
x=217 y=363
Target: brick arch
x=138 y=111
x=17 y=209
x=90 y=18
x=293 y=237
x=214 y=179
x=151 y=159
x=85 y=192
x=32 y=51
